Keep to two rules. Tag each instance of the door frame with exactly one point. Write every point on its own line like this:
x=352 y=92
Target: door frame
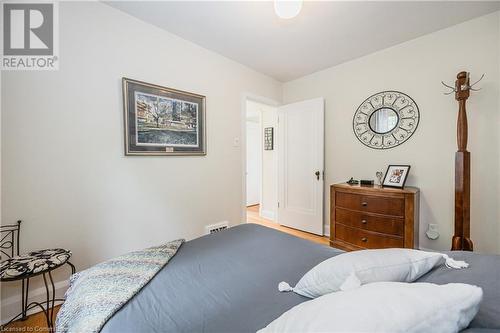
x=243 y=144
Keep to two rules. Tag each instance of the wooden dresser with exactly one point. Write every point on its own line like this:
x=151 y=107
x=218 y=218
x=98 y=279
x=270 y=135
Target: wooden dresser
x=372 y=217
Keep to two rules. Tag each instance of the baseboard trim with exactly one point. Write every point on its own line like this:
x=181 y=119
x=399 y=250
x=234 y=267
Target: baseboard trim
x=11 y=306
x=267 y=214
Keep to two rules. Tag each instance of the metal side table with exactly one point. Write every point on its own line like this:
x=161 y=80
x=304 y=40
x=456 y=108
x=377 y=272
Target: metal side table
x=26 y=266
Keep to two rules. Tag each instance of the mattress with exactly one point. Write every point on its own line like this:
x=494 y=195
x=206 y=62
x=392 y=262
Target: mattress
x=228 y=282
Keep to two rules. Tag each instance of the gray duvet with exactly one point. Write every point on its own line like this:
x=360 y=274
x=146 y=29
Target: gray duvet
x=228 y=282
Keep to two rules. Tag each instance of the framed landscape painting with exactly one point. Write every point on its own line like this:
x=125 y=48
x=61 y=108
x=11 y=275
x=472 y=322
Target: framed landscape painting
x=162 y=121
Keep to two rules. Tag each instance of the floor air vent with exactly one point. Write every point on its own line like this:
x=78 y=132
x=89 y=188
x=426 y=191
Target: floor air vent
x=213 y=228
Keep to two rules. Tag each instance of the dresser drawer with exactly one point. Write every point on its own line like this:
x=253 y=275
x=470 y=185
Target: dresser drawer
x=382 y=224
x=370 y=203
x=366 y=239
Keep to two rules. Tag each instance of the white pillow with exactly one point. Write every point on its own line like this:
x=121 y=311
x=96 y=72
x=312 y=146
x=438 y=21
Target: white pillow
x=385 y=307
x=352 y=269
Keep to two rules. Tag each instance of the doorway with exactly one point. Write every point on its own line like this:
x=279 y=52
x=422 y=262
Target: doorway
x=261 y=188
x=283 y=164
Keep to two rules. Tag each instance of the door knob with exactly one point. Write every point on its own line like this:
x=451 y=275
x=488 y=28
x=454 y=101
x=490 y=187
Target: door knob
x=317 y=175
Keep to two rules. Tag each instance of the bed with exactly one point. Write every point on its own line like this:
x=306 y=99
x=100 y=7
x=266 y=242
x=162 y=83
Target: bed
x=227 y=282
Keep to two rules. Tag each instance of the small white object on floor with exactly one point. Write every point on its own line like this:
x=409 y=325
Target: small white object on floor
x=432 y=231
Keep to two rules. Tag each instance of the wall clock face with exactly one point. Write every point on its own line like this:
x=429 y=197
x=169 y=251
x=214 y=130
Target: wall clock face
x=386 y=120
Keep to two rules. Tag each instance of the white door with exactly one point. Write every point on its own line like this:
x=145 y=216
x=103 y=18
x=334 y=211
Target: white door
x=300 y=165
x=254 y=163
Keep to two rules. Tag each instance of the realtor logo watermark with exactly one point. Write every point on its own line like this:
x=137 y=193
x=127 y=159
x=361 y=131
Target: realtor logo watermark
x=30 y=36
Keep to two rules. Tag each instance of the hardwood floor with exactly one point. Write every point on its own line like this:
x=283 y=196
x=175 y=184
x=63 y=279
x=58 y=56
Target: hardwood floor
x=37 y=322
x=253 y=217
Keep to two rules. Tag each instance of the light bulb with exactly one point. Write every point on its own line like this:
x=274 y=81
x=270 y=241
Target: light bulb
x=287 y=9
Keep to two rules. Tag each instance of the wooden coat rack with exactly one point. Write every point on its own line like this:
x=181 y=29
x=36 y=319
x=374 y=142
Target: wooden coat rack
x=461 y=238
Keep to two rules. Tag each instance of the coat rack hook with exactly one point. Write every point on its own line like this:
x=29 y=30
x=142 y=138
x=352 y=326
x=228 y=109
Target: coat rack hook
x=463 y=87
x=449 y=87
x=472 y=85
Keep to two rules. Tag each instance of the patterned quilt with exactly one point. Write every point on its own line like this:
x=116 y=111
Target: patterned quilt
x=96 y=294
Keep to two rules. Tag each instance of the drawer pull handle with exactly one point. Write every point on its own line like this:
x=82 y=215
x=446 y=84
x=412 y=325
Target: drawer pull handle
x=364 y=204
x=364 y=239
x=363 y=221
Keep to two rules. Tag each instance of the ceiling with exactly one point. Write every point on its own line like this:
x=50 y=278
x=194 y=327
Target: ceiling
x=324 y=34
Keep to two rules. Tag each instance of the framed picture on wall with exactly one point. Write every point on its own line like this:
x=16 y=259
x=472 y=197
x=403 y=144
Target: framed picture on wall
x=268 y=138
x=396 y=176
x=162 y=121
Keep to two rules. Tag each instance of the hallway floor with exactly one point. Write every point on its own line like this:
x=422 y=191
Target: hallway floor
x=253 y=217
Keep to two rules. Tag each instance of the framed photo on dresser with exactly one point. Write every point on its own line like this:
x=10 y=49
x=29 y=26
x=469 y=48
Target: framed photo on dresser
x=396 y=176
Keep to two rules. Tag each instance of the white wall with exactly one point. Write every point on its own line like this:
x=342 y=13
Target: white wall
x=63 y=167
x=417 y=68
x=254 y=161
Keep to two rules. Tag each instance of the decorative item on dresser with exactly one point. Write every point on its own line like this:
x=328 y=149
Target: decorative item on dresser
x=396 y=176
x=373 y=217
x=380 y=176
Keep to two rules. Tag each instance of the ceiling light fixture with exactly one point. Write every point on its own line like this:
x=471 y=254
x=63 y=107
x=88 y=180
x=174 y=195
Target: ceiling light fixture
x=287 y=9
